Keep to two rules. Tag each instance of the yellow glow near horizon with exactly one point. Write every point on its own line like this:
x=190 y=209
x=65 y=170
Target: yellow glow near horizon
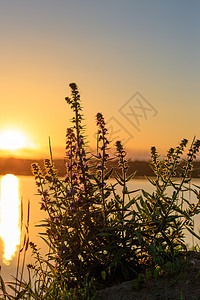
x=9 y=216
x=12 y=139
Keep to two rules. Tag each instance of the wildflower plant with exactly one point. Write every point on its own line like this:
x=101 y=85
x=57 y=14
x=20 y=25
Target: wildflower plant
x=165 y=214
x=82 y=228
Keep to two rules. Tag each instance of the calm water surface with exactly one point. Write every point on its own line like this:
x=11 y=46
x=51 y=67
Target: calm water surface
x=23 y=187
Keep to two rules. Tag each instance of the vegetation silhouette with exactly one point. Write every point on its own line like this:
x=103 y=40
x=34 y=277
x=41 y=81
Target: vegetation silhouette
x=98 y=236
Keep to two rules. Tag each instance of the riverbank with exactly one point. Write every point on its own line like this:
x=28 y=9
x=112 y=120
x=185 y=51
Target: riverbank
x=183 y=285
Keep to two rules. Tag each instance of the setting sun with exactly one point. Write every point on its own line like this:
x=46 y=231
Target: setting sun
x=12 y=139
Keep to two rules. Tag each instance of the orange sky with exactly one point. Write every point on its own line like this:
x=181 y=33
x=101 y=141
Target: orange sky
x=124 y=56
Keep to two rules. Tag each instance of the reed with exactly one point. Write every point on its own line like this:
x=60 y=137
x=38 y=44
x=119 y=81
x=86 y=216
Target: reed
x=22 y=251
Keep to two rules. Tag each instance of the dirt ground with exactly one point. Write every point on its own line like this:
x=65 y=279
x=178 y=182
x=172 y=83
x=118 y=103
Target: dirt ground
x=185 y=286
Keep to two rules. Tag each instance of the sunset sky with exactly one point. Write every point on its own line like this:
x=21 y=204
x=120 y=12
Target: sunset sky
x=136 y=61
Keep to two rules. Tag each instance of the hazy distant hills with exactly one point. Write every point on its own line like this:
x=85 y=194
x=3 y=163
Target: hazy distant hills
x=23 y=167
x=18 y=166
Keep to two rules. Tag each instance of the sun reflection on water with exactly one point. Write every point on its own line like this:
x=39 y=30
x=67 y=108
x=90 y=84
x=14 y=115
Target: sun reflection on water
x=9 y=216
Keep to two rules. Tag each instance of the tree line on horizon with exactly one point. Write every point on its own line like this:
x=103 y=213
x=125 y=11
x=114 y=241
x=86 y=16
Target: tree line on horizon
x=22 y=167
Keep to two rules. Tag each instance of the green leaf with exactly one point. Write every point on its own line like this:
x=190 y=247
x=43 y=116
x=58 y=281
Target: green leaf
x=118 y=256
x=125 y=190
x=130 y=203
x=145 y=208
x=139 y=236
x=192 y=232
x=182 y=212
x=104 y=234
x=131 y=176
x=120 y=177
x=51 y=246
x=146 y=195
x=21 y=294
x=52 y=268
x=187 y=180
x=133 y=191
x=107 y=176
x=150 y=208
x=142 y=202
x=121 y=183
x=2 y=285
x=171 y=218
x=96 y=179
x=139 y=209
x=162 y=206
x=103 y=275
x=152 y=181
x=196 y=185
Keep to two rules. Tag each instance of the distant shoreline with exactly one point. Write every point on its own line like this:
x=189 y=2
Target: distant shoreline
x=22 y=167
